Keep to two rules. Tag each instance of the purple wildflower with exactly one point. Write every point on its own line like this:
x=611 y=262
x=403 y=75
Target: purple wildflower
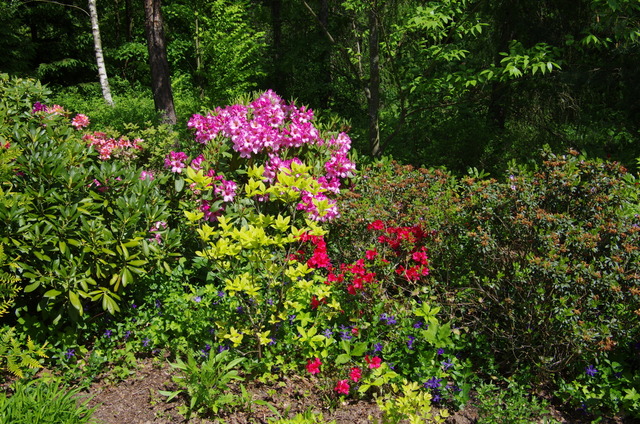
x=591 y=370
x=432 y=383
x=410 y=342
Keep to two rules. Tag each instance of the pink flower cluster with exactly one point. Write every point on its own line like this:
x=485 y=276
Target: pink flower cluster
x=176 y=161
x=109 y=146
x=225 y=189
x=156 y=229
x=80 y=121
x=270 y=127
x=50 y=110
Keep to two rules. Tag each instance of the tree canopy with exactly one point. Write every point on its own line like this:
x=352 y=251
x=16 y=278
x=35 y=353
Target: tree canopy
x=458 y=83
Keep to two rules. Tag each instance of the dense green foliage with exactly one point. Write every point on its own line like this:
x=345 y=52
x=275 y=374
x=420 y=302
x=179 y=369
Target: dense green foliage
x=256 y=251
x=462 y=83
x=43 y=402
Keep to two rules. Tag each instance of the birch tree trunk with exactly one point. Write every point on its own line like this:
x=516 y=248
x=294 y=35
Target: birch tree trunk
x=97 y=43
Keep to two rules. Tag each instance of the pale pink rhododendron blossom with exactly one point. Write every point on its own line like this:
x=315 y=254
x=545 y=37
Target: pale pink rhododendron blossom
x=155 y=230
x=109 y=146
x=275 y=130
x=80 y=121
x=56 y=110
x=147 y=175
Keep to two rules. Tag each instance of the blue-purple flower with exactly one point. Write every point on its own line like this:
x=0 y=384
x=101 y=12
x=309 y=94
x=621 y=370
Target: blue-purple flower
x=433 y=383
x=591 y=370
x=410 y=342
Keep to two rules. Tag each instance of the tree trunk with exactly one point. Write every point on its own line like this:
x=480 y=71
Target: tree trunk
x=160 y=79
x=97 y=43
x=373 y=89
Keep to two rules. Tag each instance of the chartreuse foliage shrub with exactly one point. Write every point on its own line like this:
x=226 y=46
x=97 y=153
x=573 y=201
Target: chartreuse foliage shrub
x=77 y=228
x=262 y=284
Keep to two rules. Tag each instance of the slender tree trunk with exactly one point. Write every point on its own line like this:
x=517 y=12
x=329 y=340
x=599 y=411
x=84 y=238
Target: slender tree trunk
x=128 y=16
x=158 y=62
x=97 y=43
x=198 y=45
x=373 y=89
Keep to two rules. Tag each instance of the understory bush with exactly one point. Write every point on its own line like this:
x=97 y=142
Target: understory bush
x=541 y=268
x=77 y=229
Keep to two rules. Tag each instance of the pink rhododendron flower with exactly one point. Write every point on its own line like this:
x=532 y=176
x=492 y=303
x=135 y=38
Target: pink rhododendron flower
x=38 y=107
x=108 y=146
x=227 y=190
x=196 y=164
x=56 y=110
x=342 y=387
x=314 y=366
x=175 y=161
x=147 y=175
x=80 y=121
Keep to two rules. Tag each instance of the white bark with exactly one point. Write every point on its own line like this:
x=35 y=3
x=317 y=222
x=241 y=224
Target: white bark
x=97 y=43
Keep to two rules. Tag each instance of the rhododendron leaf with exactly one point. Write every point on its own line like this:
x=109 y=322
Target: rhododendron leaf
x=75 y=301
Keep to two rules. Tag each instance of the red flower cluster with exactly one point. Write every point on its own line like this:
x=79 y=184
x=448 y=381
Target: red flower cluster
x=314 y=366
x=319 y=257
x=405 y=240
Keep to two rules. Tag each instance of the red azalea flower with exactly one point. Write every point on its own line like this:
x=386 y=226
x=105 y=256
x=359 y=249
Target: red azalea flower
x=314 y=366
x=342 y=387
x=374 y=362
x=356 y=374
x=376 y=225
x=371 y=254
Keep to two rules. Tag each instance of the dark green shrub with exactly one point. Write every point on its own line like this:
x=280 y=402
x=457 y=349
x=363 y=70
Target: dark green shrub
x=77 y=228
x=544 y=267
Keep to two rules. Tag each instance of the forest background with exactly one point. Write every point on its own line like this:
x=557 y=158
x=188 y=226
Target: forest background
x=452 y=83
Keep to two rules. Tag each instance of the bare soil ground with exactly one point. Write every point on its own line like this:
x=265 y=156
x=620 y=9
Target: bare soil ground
x=137 y=401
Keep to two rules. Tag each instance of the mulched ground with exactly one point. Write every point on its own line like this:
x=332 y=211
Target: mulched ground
x=136 y=401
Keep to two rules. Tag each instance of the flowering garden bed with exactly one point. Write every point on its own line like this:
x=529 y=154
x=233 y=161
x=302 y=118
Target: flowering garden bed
x=272 y=275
